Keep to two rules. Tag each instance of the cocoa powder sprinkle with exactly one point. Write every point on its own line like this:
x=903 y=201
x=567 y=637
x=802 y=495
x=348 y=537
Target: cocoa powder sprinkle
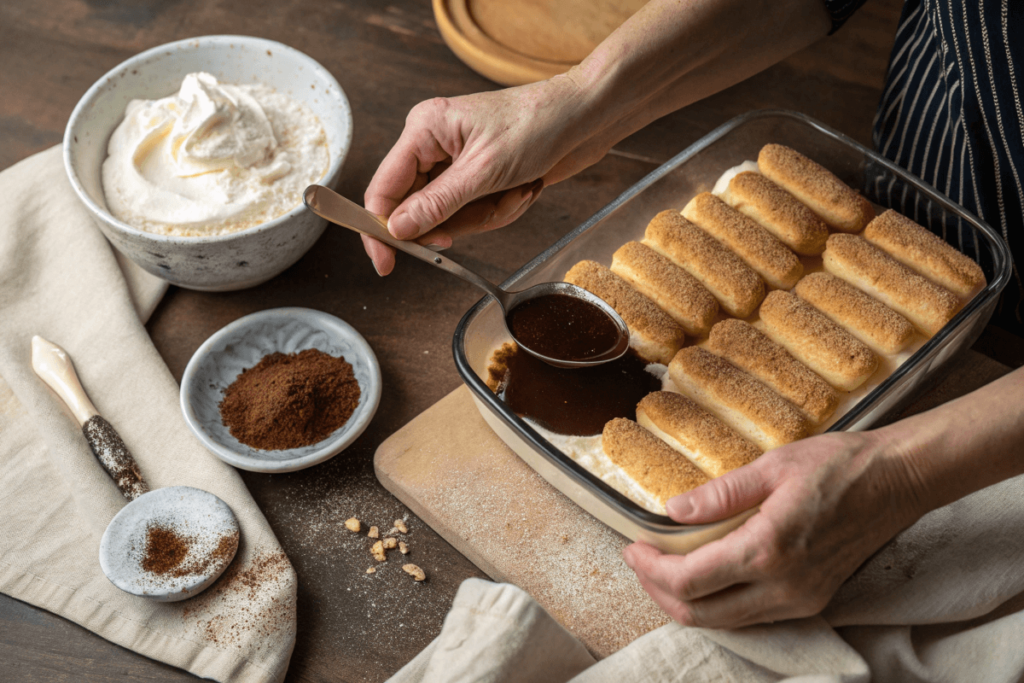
x=290 y=400
x=165 y=550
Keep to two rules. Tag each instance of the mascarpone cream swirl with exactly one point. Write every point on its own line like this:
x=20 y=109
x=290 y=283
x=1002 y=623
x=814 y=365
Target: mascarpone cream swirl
x=212 y=159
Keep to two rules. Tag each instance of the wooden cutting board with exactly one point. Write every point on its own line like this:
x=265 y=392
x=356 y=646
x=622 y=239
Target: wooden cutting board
x=514 y=42
x=451 y=470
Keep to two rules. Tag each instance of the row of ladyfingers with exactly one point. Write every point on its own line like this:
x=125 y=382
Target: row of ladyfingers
x=748 y=390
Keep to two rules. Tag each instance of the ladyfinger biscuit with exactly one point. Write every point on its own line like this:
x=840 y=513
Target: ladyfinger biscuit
x=814 y=185
x=816 y=341
x=708 y=442
x=657 y=467
x=652 y=333
x=739 y=400
x=925 y=304
x=925 y=252
x=748 y=349
x=738 y=289
x=780 y=212
x=677 y=292
x=869 y=320
x=758 y=248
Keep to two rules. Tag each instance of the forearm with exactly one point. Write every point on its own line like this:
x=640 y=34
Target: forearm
x=961 y=446
x=672 y=53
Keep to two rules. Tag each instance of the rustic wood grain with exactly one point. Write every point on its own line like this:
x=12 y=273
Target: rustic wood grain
x=387 y=57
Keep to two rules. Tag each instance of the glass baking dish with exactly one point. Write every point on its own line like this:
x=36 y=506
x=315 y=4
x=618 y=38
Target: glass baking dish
x=672 y=185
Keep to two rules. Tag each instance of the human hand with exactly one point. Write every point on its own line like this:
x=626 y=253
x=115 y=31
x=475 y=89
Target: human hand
x=475 y=163
x=827 y=503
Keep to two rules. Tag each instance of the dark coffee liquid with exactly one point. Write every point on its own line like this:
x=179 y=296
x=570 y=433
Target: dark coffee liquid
x=578 y=401
x=564 y=328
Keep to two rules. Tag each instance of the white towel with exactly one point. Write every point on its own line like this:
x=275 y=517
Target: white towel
x=59 y=278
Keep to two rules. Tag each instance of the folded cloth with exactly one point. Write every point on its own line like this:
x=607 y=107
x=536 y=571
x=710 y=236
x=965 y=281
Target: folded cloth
x=943 y=601
x=60 y=279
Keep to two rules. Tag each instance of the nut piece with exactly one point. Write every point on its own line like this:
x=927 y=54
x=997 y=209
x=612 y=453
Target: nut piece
x=414 y=571
x=390 y=543
x=373 y=533
x=371 y=570
x=378 y=551
x=403 y=547
x=352 y=524
x=400 y=525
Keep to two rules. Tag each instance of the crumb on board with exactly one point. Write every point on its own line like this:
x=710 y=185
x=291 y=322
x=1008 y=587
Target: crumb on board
x=378 y=551
x=400 y=525
x=374 y=532
x=371 y=570
x=414 y=571
x=390 y=543
x=352 y=524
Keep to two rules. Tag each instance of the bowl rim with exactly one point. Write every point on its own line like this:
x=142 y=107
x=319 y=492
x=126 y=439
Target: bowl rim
x=333 y=169
x=331 y=445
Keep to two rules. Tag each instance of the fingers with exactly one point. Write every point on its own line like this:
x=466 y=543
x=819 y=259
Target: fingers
x=708 y=569
x=732 y=605
x=382 y=256
x=728 y=495
x=405 y=169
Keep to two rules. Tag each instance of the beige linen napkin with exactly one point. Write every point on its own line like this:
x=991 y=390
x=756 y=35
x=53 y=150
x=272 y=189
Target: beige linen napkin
x=944 y=601
x=59 y=278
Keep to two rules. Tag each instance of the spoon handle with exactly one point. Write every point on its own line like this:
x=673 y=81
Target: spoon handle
x=328 y=204
x=53 y=365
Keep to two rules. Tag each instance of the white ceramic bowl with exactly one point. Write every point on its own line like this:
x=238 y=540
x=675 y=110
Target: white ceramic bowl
x=222 y=262
x=239 y=346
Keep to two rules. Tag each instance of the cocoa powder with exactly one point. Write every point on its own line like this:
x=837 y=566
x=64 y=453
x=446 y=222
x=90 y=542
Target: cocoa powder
x=165 y=550
x=290 y=400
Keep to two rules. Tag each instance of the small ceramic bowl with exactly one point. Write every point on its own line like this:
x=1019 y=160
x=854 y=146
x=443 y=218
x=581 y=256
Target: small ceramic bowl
x=221 y=262
x=239 y=346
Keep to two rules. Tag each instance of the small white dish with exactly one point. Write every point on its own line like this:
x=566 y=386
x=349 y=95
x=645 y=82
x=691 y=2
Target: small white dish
x=201 y=517
x=241 y=345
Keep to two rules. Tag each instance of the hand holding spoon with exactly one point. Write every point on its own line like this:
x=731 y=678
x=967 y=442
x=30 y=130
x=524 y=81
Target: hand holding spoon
x=167 y=544
x=559 y=323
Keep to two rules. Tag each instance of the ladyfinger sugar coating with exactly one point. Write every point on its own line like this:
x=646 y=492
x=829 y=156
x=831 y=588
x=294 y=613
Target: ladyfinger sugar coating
x=739 y=400
x=657 y=467
x=758 y=248
x=816 y=341
x=826 y=195
x=778 y=211
x=738 y=288
x=674 y=290
x=708 y=442
x=869 y=320
x=653 y=333
x=925 y=252
x=748 y=349
x=924 y=303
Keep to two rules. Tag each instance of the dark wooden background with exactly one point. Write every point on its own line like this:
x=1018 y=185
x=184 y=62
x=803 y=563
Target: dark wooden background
x=387 y=56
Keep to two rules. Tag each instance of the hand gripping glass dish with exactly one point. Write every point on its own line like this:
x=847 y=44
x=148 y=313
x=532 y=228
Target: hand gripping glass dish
x=481 y=331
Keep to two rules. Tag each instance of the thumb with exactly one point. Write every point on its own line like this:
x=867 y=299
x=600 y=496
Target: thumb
x=721 y=498
x=425 y=209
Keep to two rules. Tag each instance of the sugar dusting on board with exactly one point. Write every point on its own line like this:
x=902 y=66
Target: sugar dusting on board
x=544 y=543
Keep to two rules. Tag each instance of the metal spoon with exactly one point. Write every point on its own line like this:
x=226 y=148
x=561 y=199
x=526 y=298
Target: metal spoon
x=205 y=531
x=328 y=204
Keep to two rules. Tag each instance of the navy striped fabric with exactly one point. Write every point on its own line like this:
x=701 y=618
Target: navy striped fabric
x=952 y=113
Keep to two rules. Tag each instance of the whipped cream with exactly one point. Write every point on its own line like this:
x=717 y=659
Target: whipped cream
x=212 y=158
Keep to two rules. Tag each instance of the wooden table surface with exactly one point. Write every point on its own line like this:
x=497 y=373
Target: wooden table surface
x=387 y=57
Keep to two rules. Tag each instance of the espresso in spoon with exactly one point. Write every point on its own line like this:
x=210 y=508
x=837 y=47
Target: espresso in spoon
x=565 y=328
